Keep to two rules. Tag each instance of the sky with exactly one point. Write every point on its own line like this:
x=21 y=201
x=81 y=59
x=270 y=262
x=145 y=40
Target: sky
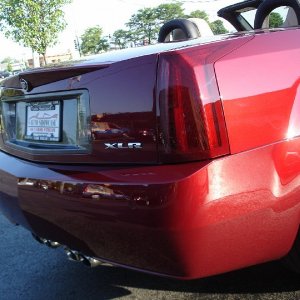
x=110 y=15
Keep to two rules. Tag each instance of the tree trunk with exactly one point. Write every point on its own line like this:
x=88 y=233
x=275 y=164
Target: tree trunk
x=45 y=61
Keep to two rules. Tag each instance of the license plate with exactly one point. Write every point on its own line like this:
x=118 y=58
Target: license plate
x=43 y=121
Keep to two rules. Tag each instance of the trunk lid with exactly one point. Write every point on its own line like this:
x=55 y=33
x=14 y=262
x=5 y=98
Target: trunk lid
x=83 y=113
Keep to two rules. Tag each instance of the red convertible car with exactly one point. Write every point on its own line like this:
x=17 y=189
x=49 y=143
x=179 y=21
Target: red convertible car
x=180 y=159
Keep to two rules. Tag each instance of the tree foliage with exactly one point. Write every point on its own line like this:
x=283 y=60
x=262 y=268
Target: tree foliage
x=9 y=67
x=8 y=60
x=218 y=27
x=199 y=14
x=275 y=20
x=145 y=24
x=168 y=11
x=92 y=41
x=33 y=23
x=121 y=37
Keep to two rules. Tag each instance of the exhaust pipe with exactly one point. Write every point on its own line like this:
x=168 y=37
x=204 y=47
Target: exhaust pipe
x=48 y=243
x=73 y=255
x=76 y=256
x=91 y=261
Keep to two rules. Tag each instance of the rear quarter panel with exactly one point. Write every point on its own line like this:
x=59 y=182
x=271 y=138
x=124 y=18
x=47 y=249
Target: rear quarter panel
x=259 y=85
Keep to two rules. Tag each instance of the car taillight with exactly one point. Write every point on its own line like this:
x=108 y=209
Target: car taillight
x=191 y=120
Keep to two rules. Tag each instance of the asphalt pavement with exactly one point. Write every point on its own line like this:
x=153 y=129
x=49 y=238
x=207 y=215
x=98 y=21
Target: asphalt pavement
x=33 y=271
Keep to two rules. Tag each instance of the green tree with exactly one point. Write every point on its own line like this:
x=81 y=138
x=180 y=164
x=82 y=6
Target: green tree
x=199 y=14
x=8 y=60
x=33 y=23
x=218 y=27
x=121 y=37
x=143 y=25
x=168 y=11
x=92 y=41
x=275 y=20
x=9 y=67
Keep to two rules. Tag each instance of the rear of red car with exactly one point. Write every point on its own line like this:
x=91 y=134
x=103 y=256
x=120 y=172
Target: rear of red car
x=152 y=109
x=127 y=158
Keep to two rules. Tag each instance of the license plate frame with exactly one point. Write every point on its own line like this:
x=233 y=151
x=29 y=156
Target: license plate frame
x=43 y=121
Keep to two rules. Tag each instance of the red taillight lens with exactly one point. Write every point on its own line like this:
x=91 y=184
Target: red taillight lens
x=192 y=125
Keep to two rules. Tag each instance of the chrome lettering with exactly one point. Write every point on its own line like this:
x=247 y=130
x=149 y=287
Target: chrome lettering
x=123 y=146
x=111 y=146
x=135 y=145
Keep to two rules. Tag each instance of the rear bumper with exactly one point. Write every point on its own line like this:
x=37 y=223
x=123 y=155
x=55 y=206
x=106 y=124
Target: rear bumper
x=186 y=221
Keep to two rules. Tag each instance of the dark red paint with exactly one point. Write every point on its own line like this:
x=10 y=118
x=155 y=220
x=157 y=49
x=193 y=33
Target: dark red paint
x=224 y=115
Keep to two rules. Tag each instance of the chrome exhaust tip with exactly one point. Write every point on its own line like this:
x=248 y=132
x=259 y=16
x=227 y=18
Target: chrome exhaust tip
x=48 y=243
x=76 y=256
x=73 y=255
x=91 y=261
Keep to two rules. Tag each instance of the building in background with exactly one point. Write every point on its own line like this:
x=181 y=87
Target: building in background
x=51 y=59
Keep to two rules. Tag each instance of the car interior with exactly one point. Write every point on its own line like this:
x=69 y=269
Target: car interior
x=186 y=29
